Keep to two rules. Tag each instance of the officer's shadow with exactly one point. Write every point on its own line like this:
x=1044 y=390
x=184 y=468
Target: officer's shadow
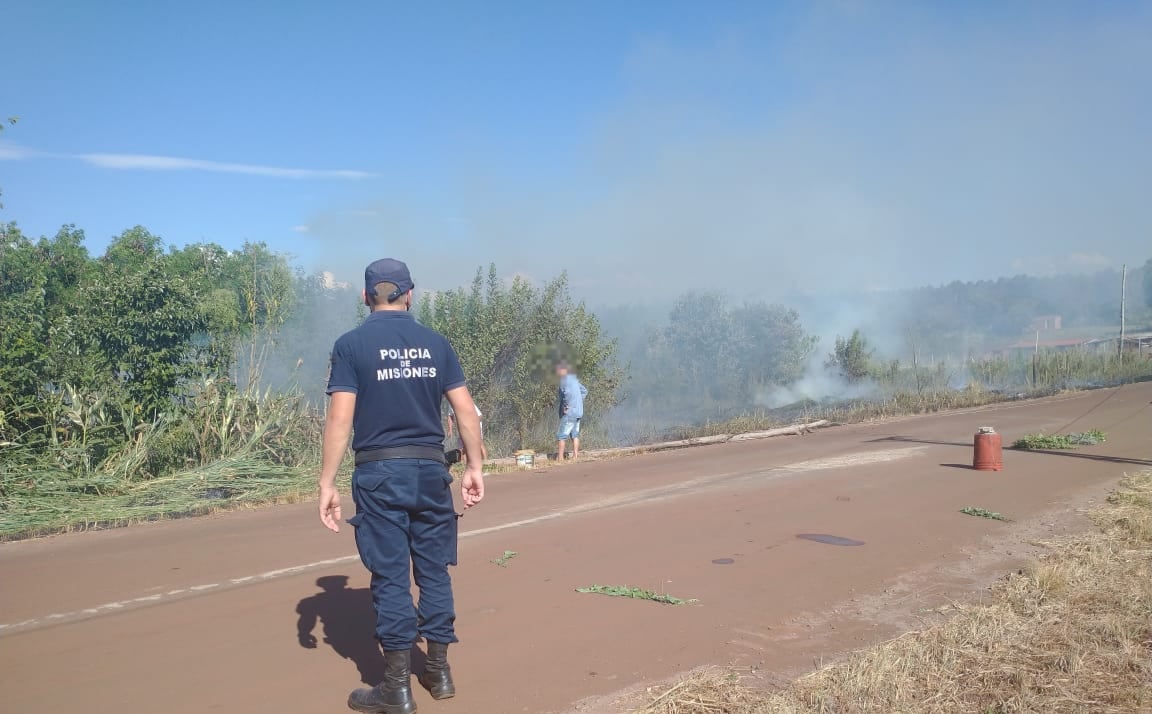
x=348 y=625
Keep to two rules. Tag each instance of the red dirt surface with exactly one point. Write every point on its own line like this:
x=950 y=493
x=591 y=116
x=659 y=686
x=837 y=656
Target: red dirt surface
x=205 y=615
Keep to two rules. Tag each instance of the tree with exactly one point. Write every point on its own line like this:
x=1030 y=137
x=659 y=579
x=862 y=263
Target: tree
x=772 y=347
x=41 y=281
x=140 y=318
x=119 y=364
x=143 y=324
x=246 y=296
x=699 y=348
x=852 y=357
x=713 y=354
x=509 y=337
x=23 y=278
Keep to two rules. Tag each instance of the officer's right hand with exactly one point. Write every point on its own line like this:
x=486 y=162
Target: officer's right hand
x=472 y=485
x=330 y=508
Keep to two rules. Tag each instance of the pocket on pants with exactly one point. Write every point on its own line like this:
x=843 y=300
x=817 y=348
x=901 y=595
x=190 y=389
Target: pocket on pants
x=453 y=550
x=372 y=476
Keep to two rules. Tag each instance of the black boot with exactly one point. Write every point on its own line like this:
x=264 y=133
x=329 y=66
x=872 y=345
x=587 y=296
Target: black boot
x=394 y=694
x=437 y=676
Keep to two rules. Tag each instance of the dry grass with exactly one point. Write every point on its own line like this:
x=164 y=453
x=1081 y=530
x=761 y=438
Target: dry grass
x=711 y=691
x=850 y=412
x=1072 y=634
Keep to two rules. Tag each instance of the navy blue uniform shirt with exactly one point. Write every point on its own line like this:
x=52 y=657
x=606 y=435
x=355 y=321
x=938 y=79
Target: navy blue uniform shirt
x=399 y=370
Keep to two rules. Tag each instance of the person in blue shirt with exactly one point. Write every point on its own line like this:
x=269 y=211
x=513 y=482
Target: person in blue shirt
x=571 y=402
x=387 y=379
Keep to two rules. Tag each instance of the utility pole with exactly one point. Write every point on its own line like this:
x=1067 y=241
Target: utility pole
x=1035 y=359
x=1123 y=297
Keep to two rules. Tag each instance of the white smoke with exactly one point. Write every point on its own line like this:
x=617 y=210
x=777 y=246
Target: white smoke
x=819 y=383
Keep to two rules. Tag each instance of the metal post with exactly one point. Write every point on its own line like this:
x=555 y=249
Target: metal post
x=1035 y=358
x=1123 y=296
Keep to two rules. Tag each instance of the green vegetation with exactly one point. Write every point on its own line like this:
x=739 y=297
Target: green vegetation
x=54 y=501
x=508 y=338
x=634 y=593
x=973 y=317
x=706 y=360
x=708 y=366
x=130 y=383
x=1012 y=376
x=1059 y=441
x=983 y=513
x=852 y=358
x=155 y=381
x=897 y=395
x=502 y=561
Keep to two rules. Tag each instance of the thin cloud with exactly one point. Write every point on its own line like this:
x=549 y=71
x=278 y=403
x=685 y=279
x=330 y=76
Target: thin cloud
x=14 y=152
x=300 y=229
x=145 y=162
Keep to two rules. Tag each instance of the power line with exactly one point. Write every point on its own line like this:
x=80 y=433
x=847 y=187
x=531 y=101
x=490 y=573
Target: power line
x=1101 y=403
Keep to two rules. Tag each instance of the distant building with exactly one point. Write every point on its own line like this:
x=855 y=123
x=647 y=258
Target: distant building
x=1029 y=346
x=330 y=283
x=1138 y=343
x=1043 y=323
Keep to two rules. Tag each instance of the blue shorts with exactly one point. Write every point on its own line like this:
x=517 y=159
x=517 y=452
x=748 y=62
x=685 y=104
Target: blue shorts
x=569 y=428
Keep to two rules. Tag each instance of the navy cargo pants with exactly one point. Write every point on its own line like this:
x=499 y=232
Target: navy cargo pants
x=404 y=516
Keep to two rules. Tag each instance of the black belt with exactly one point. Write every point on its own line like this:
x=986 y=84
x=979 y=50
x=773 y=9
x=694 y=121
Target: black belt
x=432 y=453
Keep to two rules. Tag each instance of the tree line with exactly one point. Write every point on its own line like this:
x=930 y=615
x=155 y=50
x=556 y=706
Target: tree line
x=147 y=359
x=151 y=358
x=145 y=350
x=964 y=319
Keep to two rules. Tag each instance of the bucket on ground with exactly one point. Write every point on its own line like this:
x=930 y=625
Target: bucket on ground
x=526 y=458
x=987 y=454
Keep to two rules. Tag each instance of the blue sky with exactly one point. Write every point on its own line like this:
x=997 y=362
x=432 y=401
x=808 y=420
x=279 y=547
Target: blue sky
x=768 y=146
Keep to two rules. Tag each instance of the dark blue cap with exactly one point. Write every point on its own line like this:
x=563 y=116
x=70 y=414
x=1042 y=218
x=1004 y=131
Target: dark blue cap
x=388 y=270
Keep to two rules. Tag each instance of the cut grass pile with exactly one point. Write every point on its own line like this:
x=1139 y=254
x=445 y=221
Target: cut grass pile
x=983 y=513
x=53 y=501
x=502 y=561
x=1071 y=634
x=634 y=593
x=1060 y=441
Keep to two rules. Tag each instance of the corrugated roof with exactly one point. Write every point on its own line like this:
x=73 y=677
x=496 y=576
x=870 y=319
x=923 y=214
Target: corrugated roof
x=1044 y=343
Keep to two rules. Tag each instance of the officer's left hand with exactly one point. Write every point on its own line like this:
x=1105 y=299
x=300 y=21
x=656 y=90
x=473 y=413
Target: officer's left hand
x=330 y=508
x=472 y=485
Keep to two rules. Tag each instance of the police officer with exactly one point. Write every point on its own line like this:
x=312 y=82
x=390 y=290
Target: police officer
x=387 y=379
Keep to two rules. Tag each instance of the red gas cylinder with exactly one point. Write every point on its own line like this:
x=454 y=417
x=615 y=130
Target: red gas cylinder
x=986 y=450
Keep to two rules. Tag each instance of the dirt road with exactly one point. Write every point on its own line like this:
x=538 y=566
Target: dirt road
x=219 y=614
